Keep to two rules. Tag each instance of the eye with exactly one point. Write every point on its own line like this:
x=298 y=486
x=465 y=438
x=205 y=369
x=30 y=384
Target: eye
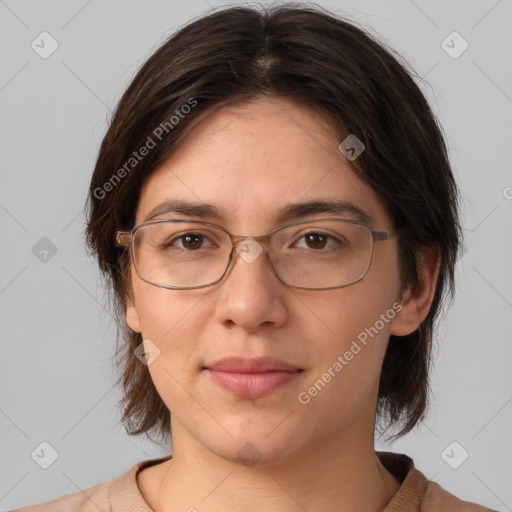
x=319 y=240
x=189 y=241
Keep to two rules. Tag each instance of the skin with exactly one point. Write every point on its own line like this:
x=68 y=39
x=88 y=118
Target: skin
x=250 y=160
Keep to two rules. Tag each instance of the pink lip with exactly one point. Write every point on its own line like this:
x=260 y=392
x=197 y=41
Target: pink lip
x=252 y=378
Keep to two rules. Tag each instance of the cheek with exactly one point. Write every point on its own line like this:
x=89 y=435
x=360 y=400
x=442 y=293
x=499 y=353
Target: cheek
x=174 y=322
x=342 y=316
x=162 y=312
x=349 y=331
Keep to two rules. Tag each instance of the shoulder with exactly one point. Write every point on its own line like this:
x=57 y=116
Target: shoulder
x=117 y=495
x=91 y=499
x=437 y=499
x=417 y=492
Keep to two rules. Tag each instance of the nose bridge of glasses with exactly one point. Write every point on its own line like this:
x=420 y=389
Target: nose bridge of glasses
x=238 y=239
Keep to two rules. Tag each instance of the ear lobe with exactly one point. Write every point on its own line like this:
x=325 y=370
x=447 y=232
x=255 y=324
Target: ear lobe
x=416 y=302
x=132 y=316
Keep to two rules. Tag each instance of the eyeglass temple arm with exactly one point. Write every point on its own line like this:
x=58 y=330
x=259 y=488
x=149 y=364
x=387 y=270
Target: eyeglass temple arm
x=123 y=237
x=387 y=234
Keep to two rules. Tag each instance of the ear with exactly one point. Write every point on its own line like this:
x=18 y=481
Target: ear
x=132 y=316
x=416 y=302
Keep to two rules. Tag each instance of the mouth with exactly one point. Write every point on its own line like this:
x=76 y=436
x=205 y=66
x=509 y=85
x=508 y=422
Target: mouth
x=252 y=378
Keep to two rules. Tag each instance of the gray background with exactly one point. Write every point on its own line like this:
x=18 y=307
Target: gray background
x=55 y=371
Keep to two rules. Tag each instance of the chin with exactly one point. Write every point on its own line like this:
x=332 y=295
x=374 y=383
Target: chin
x=263 y=444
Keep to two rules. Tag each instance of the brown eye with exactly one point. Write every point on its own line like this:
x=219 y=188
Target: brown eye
x=192 y=241
x=188 y=242
x=316 y=240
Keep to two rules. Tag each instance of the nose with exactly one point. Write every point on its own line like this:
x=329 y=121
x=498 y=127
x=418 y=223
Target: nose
x=251 y=295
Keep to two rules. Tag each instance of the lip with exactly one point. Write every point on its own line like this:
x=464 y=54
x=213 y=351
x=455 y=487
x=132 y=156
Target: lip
x=252 y=378
x=252 y=365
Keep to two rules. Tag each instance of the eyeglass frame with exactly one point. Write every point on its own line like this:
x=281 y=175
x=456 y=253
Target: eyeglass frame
x=125 y=238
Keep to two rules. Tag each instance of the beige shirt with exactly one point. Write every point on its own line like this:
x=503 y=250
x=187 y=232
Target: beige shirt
x=123 y=495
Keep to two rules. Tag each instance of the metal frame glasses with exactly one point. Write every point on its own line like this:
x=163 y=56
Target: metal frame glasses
x=126 y=239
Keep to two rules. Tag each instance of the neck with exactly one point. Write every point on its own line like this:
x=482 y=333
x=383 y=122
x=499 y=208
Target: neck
x=345 y=475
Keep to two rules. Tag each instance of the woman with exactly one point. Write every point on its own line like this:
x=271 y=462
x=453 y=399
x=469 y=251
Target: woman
x=275 y=212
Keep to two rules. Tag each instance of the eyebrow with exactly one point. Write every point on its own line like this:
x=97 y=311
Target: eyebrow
x=286 y=213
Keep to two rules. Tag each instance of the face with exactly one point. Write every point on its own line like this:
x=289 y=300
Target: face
x=249 y=161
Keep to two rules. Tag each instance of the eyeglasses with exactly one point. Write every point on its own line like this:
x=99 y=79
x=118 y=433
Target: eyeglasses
x=317 y=254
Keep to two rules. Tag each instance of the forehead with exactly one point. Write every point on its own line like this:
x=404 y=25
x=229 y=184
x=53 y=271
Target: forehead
x=249 y=161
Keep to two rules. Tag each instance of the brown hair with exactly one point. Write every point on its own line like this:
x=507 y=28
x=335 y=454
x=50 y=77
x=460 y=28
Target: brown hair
x=307 y=54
